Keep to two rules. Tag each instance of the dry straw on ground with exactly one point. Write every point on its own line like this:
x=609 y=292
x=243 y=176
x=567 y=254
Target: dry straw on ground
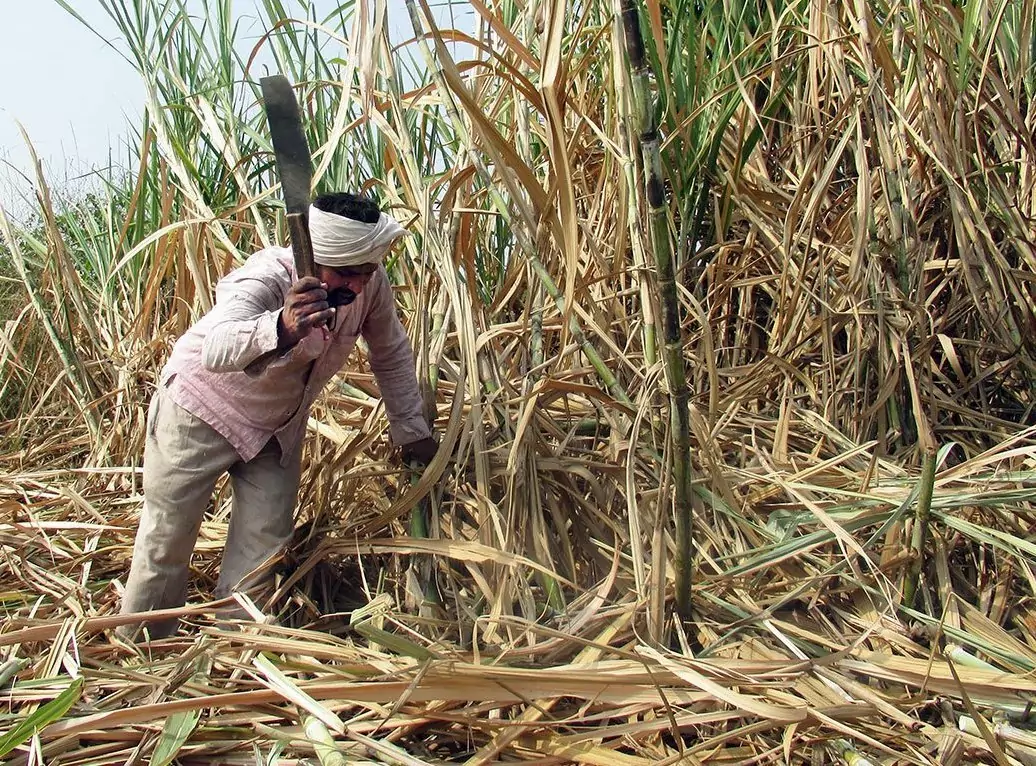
x=849 y=206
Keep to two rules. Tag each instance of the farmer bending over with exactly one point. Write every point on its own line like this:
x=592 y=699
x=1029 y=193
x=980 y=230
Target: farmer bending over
x=235 y=396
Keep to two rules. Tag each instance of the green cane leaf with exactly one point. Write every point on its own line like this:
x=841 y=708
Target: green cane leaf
x=177 y=730
x=43 y=716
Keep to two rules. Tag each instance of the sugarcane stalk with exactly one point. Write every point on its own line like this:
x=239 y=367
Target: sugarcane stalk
x=536 y=328
x=1019 y=743
x=665 y=275
x=851 y=755
x=438 y=331
x=1002 y=730
x=551 y=587
x=324 y=744
x=961 y=657
x=423 y=566
x=1020 y=710
x=623 y=100
x=919 y=537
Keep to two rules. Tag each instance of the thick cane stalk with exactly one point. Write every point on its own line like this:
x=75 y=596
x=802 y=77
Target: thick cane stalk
x=920 y=534
x=323 y=743
x=654 y=201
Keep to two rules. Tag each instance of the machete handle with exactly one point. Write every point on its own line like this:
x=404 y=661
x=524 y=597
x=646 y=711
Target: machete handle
x=301 y=245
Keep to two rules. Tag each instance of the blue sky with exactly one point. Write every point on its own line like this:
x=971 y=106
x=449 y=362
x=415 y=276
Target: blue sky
x=73 y=93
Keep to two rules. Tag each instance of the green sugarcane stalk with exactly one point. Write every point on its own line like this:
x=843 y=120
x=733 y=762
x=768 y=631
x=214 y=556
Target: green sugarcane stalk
x=1003 y=731
x=550 y=585
x=961 y=657
x=623 y=100
x=920 y=533
x=679 y=394
x=420 y=528
x=851 y=755
x=324 y=744
x=421 y=514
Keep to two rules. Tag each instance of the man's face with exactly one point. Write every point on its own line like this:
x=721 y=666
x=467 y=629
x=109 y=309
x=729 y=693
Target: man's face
x=344 y=283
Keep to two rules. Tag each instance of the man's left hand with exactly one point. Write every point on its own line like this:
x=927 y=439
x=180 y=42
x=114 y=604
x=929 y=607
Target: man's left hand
x=420 y=452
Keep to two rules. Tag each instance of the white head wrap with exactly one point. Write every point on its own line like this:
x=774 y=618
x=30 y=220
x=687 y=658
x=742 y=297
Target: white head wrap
x=340 y=241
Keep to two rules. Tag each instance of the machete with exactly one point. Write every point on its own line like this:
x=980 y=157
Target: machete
x=296 y=171
x=294 y=165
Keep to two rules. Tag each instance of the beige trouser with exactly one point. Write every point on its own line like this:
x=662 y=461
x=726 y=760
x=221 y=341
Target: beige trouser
x=183 y=459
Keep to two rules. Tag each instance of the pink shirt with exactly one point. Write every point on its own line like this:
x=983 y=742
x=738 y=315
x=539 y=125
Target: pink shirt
x=210 y=372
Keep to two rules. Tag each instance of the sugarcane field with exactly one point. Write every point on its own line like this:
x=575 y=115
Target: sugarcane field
x=528 y=381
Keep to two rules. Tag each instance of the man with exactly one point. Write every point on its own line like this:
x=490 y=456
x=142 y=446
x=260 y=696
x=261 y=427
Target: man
x=235 y=395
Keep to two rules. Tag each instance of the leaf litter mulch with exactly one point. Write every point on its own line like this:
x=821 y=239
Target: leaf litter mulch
x=394 y=649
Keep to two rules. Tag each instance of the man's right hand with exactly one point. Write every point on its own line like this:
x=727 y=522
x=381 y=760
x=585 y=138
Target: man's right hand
x=305 y=307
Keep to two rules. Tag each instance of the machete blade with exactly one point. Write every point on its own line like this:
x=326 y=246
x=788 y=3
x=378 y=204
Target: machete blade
x=293 y=165
x=289 y=142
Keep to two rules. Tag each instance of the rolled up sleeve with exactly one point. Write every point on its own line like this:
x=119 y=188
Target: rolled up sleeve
x=392 y=361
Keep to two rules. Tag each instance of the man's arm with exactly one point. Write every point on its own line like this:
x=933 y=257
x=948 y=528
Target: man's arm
x=243 y=325
x=252 y=322
x=392 y=361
